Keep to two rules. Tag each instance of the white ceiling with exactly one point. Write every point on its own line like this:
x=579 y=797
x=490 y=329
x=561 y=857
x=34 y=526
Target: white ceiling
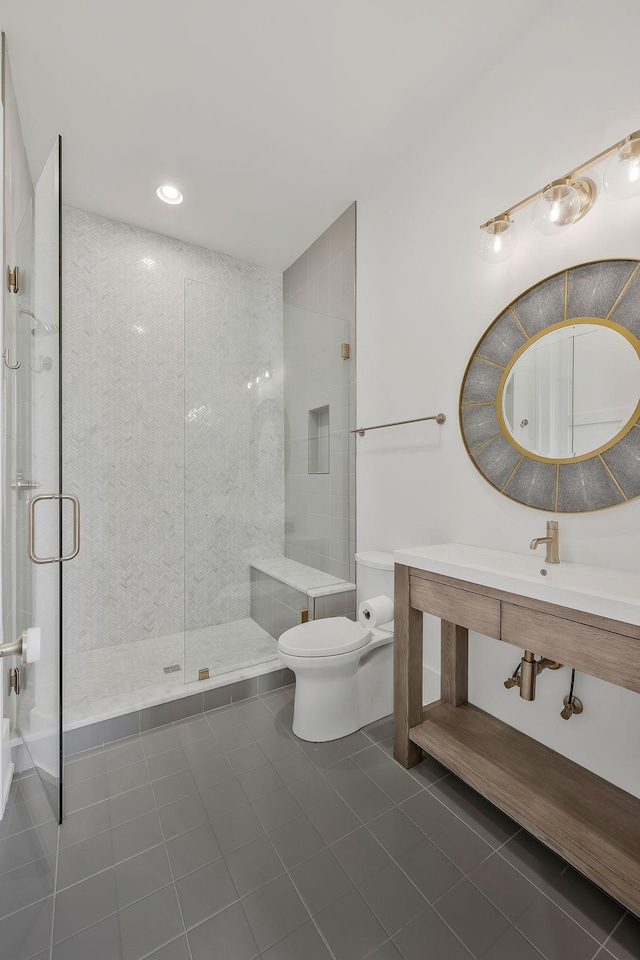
x=267 y=114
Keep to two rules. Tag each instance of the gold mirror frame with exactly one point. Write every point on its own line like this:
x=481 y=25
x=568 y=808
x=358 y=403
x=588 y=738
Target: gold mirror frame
x=606 y=292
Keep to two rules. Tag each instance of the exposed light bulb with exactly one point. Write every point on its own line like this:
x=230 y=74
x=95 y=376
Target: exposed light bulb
x=562 y=203
x=499 y=240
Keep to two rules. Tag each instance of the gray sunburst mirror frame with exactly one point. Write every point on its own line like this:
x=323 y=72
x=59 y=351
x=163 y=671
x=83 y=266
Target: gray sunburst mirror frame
x=607 y=291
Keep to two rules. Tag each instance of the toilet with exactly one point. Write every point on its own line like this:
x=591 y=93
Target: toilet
x=344 y=669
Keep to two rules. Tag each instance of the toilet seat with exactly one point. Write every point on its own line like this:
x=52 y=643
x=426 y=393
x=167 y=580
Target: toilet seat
x=324 y=638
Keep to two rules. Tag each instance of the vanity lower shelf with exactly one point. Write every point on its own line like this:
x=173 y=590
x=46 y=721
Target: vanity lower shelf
x=587 y=820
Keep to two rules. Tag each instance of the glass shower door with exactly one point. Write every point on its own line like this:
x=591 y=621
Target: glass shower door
x=33 y=482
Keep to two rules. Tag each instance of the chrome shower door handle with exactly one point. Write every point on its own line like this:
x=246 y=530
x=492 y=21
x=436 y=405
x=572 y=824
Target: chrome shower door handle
x=31 y=533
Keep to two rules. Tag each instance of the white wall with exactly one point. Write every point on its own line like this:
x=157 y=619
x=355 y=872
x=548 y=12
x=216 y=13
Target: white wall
x=566 y=91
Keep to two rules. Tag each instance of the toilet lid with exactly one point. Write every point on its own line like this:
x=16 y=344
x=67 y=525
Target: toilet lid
x=324 y=638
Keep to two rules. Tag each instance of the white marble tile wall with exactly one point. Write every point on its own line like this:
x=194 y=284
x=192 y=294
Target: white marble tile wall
x=126 y=451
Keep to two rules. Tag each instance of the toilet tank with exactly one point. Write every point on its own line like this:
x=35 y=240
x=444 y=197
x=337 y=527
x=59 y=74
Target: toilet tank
x=374 y=574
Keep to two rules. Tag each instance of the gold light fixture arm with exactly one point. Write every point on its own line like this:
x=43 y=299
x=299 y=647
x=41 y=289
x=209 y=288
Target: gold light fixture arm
x=568 y=176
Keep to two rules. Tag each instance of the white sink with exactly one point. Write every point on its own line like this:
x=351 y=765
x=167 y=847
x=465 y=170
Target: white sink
x=609 y=593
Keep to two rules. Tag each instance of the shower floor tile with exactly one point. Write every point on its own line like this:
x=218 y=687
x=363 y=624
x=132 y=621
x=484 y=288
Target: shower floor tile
x=114 y=679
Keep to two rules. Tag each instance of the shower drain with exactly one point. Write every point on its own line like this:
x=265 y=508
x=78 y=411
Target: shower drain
x=173 y=668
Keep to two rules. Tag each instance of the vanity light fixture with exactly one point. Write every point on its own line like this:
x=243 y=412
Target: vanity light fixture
x=565 y=201
x=169 y=194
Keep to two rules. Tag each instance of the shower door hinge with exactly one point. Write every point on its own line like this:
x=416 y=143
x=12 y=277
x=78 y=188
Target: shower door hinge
x=345 y=351
x=13 y=280
x=14 y=680
x=304 y=616
x=203 y=673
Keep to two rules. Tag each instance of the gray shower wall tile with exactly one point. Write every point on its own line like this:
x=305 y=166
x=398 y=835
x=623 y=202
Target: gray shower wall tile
x=125 y=428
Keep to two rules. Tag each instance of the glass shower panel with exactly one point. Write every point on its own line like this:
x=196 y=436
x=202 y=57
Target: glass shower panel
x=234 y=491
x=33 y=468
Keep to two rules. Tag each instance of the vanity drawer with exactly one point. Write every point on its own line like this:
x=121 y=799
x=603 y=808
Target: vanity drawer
x=467 y=609
x=599 y=653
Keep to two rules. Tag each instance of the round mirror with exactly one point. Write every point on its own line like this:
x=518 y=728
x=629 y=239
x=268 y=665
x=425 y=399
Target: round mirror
x=550 y=400
x=568 y=393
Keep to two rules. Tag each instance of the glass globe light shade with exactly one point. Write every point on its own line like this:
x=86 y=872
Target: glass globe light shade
x=621 y=176
x=498 y=241
x=559 y=206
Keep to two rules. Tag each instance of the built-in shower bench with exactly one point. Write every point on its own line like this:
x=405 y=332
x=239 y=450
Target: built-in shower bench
x=285 y=593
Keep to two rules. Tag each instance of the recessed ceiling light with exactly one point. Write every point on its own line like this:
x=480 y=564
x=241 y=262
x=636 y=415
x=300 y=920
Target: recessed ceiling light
x=169 y=194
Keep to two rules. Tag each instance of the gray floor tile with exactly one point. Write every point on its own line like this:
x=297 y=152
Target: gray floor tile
x=150 y=923
x=159 y=741
x=205 y=892
x=353 y=743
x=294 y=766
x=127 y=778
x=388 y=775
x=312 y=792
x=305 y=942
x=350 y=928
x=512 y=946
x=624 y=942
x=134 y=803
x=229 y=931
x=203 y=751
x=142 y=875
x=182 y=815
x=251 y=708
x=136 y=836
x=273 y=911
x=264 y=727
x=428 y=771
x=194 y=729
x=554 y=934
x=587 y=904
x=83 y=859
x=360 y=855
x=84 y=769
x=223 y=798
x=100 y=942
x=392 y=898
x=236 y=828
x=429 y=869
x=246 y=758
x=122 y=754
x=531 y=858
x=278 y=745
x=320 y=880
x=26 y=885
x=253 y=864
x=427 y=813
x=357 y=790
x=429 y=928
x=464 y=847
x=322 y=754
x=380 y=730
x=501 y=883
x=260 y=781
x=164 y=764
x=388 y=951
x=192 y=850
x=276 y=808
x=471 y=917
x=83 y=794
x=233 y=737
x=29 y=787
x=176 y=950
x=85 y=823
x=174 y=787
x=84 y=904
x=487 y=821
x=296 y=841
x=396 y=832
x=27 y=933
x=30 y=845
x=334 y=819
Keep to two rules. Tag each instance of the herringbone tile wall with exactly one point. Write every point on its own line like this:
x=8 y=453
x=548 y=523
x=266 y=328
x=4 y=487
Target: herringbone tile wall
x=133 y=374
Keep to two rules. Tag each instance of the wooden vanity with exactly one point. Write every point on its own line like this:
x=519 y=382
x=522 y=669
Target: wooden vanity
x=594 y=825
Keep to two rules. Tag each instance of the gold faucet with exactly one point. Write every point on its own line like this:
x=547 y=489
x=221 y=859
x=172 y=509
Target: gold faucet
x=551 y=541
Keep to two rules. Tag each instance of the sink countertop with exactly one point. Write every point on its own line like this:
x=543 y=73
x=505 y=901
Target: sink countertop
x=598 y=590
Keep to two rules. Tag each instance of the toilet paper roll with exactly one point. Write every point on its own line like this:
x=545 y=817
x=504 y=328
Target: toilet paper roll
x=374 y=612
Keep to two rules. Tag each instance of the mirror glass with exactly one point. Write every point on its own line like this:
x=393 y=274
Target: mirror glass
x=571 y=391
